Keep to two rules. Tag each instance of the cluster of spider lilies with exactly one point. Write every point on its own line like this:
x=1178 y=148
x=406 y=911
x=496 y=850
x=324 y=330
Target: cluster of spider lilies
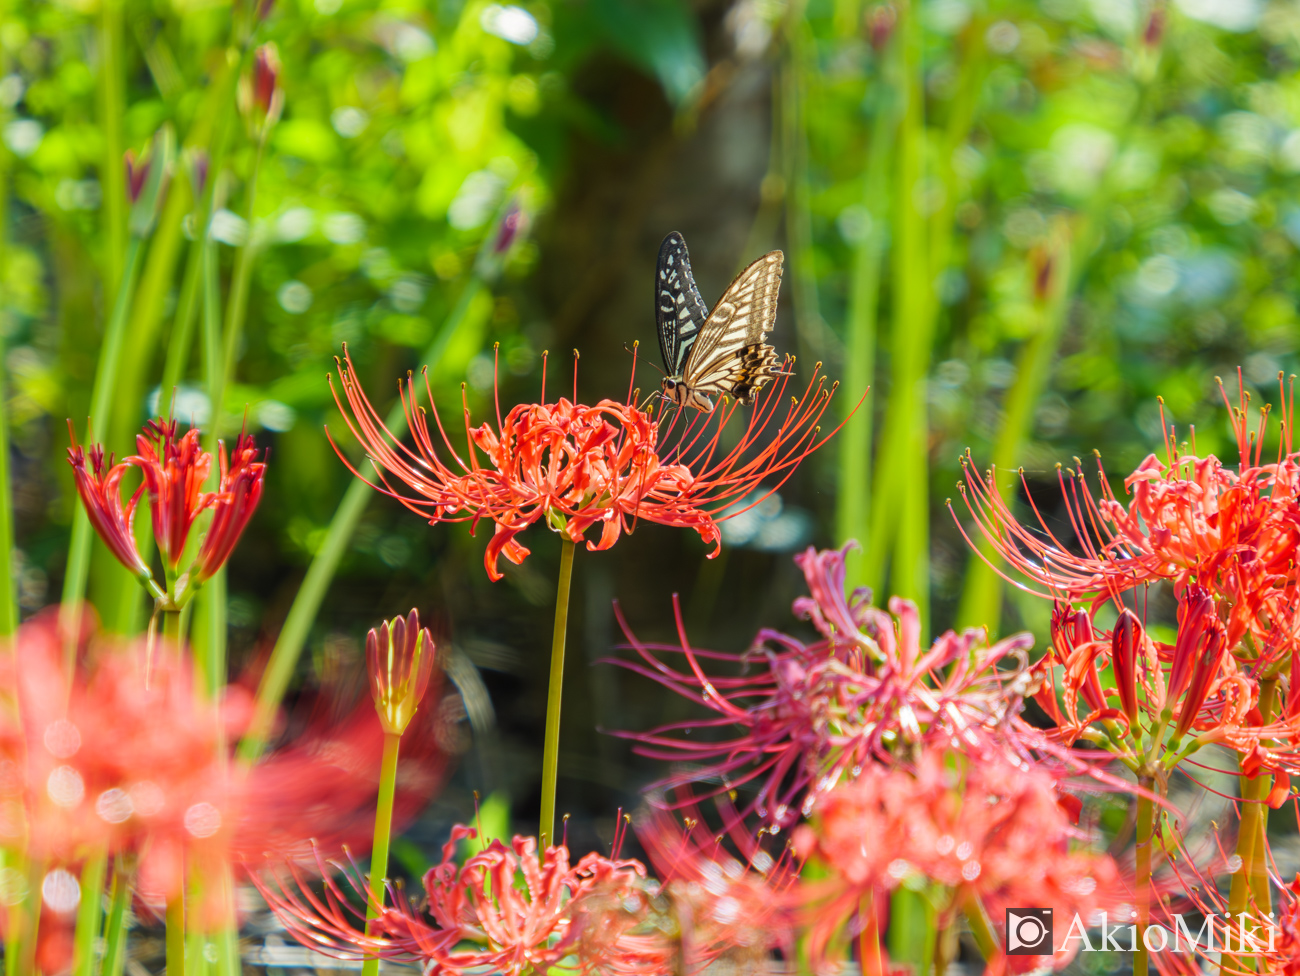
x=866 y=795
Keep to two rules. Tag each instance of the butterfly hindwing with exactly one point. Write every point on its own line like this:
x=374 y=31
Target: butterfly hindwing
x=679 y=309
x=730 y=355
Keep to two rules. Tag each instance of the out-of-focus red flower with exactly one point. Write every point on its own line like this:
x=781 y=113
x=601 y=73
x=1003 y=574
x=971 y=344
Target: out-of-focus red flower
x=502 y=911
x=728 y=909
x=578 y=466
x=984 y=825
x=1191 y=521
x=236 y=499
x=100 y=486
x=123 y=757
x=399 y=658
x=809 y=715
x=174 y=471
x=261 y=98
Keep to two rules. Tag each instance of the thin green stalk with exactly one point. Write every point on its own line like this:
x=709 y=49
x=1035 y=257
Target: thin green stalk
x=293 y=635
x=1146 y=817
x=237 y=303
x=554 y=689
x=911 y=929
x=210 y=633
x=115 y=926
x=176 y=934
x=187 y=306
x=112 y=175
x=383 y=834
x=171 y=630
x=23 y=946
x=870 y=959
x=853 y=498
x=101 y=399
x=900 y=502
x=977 y=918
x=8 y=598
x=89 y=912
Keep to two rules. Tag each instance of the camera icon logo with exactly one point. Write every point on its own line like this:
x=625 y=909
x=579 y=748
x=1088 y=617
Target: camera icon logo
x=1029 y=932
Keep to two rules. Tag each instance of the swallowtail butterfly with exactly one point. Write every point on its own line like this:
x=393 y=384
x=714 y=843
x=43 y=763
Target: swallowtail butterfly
x=721 y=352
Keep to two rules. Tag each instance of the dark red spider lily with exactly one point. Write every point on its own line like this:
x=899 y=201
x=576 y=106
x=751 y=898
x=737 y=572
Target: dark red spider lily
x=501 y=911
x=1191 y=520
x=100 y=486
x=175 y=470
x=233 y=505
x=579 y=467
x=988 y=827
x=807 y=716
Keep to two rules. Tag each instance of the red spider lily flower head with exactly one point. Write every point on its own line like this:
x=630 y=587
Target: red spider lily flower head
x=502 y=911
x=99 y=485
x=399 y=657
x=123 y=756
x=174 y=471
x=1077 y=646
x=807 y=715
x=1191 y=521
x=724 y=908
x=576 y=467
x=985 y=825
x=233 y=505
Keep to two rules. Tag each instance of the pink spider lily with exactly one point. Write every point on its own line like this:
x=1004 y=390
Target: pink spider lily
x=1191 y=520
x=988 y=829
x=807 y=716
x=502 y=911
x=578 y=467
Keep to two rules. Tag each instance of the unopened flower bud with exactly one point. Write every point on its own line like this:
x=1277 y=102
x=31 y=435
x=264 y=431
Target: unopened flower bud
x=1123 y=658
x=1195 y=615
x=1076 y=642
x=261 y=98
x=147 y=176
x=880 y=21
x=399 y=656
x=1204 y=672
x=137 y=171
x=509 y=228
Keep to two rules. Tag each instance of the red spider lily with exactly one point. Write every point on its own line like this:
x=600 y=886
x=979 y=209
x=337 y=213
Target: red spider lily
x=808 y=715
x=726 y=909
x=99 y=486
x=236 y=499
x=174 y=471
x=1192 y=684
x=988 y=828
x=578 y=466
x=1191 y=520
x=501 y=911
x=399 y=658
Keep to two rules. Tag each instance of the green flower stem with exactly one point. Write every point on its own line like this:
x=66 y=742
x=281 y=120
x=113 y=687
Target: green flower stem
x=900 y=501
x=911 y=929
x=8 y=599
x=293 y=635
x=101 y=399
x=22 y=946
x=112 y=175
x=237 y=304
x=176 y=934
x=1146 y=817
x=551 y=749
x=870 y=960
x=88 y=913
x=187 y=306
x=977 y=919
x=115 y=926
x=853 y=498
x=1250 y=882
x=383 y=834
x=209 y=638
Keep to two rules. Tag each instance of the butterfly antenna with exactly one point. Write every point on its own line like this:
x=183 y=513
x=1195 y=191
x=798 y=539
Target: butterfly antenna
x=632 y=350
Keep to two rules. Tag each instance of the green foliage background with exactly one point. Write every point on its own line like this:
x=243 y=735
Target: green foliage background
x=1019 y=222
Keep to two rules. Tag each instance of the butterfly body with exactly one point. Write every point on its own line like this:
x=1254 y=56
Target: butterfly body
x=722 y=352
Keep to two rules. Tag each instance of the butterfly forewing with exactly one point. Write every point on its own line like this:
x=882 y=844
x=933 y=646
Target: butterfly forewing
x=729 y=355
x=679 y=309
